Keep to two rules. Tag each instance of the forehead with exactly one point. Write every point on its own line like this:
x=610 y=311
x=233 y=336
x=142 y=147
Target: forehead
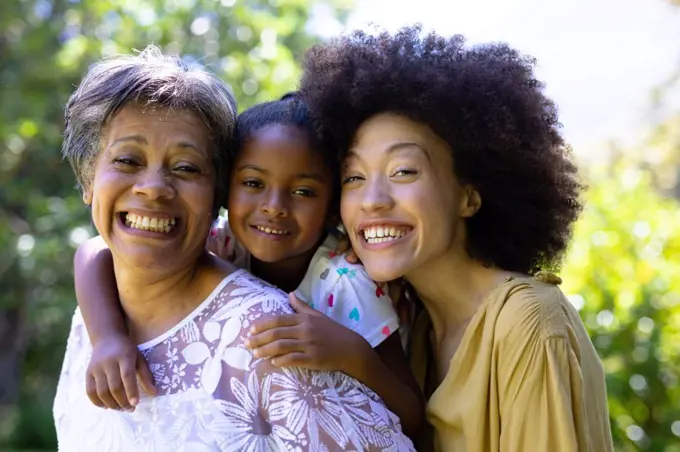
x=158 y=123
x=381 y=131
x=280 y=146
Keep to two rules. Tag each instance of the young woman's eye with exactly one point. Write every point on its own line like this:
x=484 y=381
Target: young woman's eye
x=405 y=172
x=350 y=179
x=304 y=192
x=252 y=183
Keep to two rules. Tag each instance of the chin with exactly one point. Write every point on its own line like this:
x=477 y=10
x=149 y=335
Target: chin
x=383 y=271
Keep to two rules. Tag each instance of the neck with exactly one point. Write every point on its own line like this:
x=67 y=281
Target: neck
x=452 y=288
x=286 y=274
x=155 y=299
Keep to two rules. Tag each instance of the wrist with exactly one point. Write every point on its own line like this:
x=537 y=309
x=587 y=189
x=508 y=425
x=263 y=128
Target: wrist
x=107 y=338
x=357 y=365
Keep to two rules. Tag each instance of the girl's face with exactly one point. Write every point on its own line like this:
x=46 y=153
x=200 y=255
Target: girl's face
x=279 y=196
x=401 y=204
x=153 y=187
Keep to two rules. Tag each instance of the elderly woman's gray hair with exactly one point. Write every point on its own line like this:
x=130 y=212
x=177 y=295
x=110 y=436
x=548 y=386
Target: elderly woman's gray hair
x=155 y=80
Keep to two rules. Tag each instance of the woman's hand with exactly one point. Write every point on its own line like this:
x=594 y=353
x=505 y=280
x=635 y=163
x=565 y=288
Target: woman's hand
x=111 y=377
x=307 y=339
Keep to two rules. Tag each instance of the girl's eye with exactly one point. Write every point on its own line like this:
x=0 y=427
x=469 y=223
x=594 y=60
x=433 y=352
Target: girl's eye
x=252 y=183
x=303 y=192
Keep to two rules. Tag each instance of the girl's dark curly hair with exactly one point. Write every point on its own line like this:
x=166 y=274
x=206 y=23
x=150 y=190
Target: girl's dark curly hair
x=486 y=104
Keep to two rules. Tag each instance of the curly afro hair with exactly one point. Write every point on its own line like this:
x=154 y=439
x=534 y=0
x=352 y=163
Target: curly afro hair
x=486 y=104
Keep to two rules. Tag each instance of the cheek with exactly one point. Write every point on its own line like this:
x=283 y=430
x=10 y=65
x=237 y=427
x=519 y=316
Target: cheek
x=240 y=202
x=349 y=206
x=312 y=216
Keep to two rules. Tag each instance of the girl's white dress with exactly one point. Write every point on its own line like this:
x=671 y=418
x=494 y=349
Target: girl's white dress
x=213 y=395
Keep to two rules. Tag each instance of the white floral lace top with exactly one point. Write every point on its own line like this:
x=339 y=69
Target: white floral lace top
x=213 y=395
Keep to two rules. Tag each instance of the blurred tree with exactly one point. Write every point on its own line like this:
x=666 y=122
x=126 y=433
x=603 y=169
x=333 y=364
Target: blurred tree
x=45 y=46
x=623 y=272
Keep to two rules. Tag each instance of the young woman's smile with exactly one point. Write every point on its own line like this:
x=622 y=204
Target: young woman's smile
x=400 y=201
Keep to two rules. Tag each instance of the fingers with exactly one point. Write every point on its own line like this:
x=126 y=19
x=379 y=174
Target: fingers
x=145 y=375
x=300 y=306
x=352 y=258
x=296 y=359
x=274 y=322
x=275 y=334
x=343 y=245
x=278 y=347
x=91 y=389
x=115 y=388
x=128 y=375
x=103 y=392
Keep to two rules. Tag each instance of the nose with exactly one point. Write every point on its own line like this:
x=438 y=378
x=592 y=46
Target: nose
x=274 y=204
x=154 y=183
x=377 y=196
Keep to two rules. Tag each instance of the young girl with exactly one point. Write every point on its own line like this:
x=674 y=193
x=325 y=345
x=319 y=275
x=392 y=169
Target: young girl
x=283 y=197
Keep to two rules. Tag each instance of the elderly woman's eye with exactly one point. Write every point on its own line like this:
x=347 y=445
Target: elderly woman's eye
x=187 y=169
x=125 y=161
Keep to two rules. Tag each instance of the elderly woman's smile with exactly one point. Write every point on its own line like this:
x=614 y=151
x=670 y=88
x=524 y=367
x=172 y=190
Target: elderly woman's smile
x=151 y=183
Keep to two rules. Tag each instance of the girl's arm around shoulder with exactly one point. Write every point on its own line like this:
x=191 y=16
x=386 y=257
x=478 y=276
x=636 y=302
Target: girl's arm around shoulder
x=345 y=293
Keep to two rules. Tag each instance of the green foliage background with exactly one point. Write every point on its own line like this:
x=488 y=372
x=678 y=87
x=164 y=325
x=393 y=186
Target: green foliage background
x=623 y=268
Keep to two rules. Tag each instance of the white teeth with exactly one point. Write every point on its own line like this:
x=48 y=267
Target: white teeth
x=380 y=234
x=149 y=223
x=271 y=231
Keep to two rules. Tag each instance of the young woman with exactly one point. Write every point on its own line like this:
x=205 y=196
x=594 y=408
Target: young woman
x=457 y=153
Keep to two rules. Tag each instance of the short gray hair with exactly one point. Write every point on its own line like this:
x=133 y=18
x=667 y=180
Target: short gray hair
x=157 y=80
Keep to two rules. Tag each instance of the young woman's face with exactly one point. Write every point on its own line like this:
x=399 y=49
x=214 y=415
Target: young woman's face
x=401 y=203
x=279 y=194
x=153 y=187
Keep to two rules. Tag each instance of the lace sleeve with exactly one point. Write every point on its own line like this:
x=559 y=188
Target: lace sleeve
x=293 y=408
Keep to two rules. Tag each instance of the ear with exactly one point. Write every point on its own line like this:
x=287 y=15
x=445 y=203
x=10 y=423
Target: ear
x=87 y=196
x=471 y=202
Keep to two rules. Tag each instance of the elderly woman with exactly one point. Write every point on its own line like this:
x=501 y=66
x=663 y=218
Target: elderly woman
x=456 y=178
x=146 y=137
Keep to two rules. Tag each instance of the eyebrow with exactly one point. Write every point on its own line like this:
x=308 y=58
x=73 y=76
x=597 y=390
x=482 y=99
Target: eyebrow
x=312 y=176
x=140 y=140
x=397 y=147
x=134 y=138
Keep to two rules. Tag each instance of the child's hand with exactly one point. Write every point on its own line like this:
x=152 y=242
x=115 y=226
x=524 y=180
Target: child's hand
x=111 y=378
x=345 y=247
x=307 y=339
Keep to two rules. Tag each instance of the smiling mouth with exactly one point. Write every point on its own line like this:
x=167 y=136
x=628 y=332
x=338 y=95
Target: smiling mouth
x=151 y=224
x=272 y=231
x=384 y=233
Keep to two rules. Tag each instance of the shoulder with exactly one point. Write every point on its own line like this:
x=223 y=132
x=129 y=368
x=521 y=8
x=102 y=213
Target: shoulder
x=532 y=308
x=330 y=267
x=242 y=293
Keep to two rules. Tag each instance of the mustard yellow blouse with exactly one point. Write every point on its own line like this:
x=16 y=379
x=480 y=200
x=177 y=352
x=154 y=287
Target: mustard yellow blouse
x=526 y=377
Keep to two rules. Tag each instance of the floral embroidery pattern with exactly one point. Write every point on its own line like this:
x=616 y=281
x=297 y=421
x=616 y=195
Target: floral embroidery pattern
x=215 y=396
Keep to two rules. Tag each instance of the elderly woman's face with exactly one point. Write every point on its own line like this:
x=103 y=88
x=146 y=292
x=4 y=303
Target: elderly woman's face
x=401 y=204
x=153 y=187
